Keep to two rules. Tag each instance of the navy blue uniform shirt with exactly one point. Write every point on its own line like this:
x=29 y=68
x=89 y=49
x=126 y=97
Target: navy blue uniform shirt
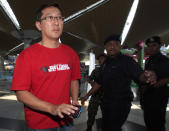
x=160 y=65
x=116 y=76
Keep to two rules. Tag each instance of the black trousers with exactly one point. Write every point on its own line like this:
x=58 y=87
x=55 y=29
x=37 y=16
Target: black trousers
x=154 y=108
x=115 y=114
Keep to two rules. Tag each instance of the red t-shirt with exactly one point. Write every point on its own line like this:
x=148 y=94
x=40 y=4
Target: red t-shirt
x=47 y=74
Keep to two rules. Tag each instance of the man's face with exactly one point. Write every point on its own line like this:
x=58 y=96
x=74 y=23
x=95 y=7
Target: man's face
x=51 y=29
x=112 y=48
x=153 y=48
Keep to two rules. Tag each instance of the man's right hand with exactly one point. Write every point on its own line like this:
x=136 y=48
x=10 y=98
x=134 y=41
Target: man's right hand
x=62 y=109
x=151 y=77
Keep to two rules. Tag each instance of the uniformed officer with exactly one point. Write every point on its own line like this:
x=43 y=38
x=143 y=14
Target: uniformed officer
x=95 y=100
x=154 y=99
x=117 y=72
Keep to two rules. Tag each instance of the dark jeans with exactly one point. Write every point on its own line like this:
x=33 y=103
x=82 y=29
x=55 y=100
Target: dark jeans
x=67 y=127
x=115 y=114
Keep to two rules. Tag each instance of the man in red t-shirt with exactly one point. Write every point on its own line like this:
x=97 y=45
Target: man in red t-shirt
x=46 y=74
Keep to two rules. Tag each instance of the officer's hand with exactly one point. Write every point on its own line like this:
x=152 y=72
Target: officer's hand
x=150 y=77
x=62 y=109
x=83 y=99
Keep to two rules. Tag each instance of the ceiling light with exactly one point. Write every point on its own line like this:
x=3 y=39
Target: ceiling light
x=6 y=7
x=87 y=9
x=129 y=20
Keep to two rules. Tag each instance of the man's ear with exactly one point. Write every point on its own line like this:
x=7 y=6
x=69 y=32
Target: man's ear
x=38 y=25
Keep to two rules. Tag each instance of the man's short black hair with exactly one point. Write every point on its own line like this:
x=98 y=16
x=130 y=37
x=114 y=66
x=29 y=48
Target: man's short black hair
x=101 y=55
x=39 y=11
x=114 y=37
x=152 y=39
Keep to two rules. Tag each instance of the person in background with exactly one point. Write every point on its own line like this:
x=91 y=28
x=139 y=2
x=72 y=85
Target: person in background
x=115 y=78
x=45 y=75
x=154 y=98
x=96 y=98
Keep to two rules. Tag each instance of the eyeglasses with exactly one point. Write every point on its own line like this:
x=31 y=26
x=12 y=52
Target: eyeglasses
x=52 y=18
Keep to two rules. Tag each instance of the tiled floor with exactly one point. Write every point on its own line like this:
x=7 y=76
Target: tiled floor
x=128 y=126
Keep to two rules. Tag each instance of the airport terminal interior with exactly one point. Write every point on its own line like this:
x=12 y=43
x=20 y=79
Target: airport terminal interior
x=86 y=25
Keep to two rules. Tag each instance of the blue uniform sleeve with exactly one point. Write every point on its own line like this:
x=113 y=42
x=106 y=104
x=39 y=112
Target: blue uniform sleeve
x=133 y=69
